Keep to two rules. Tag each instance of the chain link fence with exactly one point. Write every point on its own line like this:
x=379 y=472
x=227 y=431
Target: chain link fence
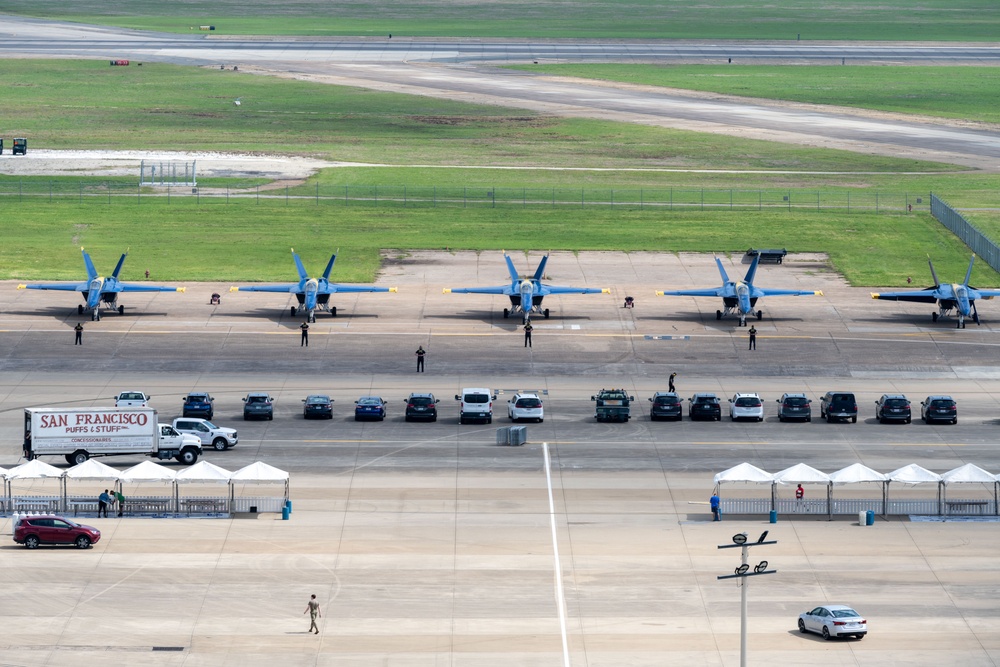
x=970 y=235
x=402 y=196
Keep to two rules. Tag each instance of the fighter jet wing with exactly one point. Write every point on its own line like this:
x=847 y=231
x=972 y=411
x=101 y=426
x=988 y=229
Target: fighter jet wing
x=65 y=287
x=289 y=288
x=919 y=296
x=499 y=289
x=759 y=292
x=556 y=289
x=710 y=291
x=353 y=289
x=136 y=287
x=986 y=293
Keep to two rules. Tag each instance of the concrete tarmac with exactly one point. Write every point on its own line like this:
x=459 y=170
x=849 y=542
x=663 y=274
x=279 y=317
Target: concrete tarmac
x=428 y=544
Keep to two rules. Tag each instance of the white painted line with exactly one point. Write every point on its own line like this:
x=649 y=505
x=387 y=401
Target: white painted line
x=560 y=596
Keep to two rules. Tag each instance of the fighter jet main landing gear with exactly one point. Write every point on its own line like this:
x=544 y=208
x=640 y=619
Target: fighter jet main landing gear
x=760 y=315
x=506 y=313
x=333 y=311
x=718 y=314
x=292 y=311
x=121 y=310
x=546 y=313
x=934 y=317
x=79 y=309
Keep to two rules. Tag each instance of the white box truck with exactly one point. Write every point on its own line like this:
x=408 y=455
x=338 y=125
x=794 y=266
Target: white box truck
x=83 y=433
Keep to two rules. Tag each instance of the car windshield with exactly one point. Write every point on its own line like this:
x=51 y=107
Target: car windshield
x=369 y=400
x=667 y=400
x=477 y=398
x=896 y=402
x=748 y=402
x=796 y=400
x=529 y=403
x=420 y=400
x=845 y=613
x=210 y=425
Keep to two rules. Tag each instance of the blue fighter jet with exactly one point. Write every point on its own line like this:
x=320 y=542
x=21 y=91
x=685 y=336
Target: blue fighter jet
x=97 y=290
x=526 y=294
x=961 y=298
x=739 y=296
x=313 y=293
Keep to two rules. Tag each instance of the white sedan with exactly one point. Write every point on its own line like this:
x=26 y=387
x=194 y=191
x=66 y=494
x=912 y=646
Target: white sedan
x=833 y=620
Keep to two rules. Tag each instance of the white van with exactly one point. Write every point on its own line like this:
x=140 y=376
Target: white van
x=475 y=404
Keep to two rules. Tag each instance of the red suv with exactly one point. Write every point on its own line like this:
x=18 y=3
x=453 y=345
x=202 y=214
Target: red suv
x=51 y=529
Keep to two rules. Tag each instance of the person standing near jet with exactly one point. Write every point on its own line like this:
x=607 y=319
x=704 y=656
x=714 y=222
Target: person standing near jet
x=79 y=334
x=305 y=334
x=527 y=333
x=420 y=358
x=753 y=337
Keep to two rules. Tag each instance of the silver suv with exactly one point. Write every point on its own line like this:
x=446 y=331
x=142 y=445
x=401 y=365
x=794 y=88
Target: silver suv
x=794 y=406
x=258 y=405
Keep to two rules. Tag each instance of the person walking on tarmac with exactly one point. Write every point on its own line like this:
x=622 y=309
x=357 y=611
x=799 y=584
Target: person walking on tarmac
x=527 y=333
x=305 y=334
x=670 y=383
x=753 y=338
x=79 y=334
x=420 y=358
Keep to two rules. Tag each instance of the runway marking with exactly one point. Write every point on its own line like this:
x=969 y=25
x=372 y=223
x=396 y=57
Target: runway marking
x=560 y=596
x=345 y=441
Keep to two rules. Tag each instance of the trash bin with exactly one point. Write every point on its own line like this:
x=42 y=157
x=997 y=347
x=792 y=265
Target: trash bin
x=869 y=518
x=285 y=513
x=288 y=506
x=862 y=518
x=774 y=516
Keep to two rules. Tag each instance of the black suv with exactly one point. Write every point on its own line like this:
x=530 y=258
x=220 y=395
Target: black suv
x=665 y=405
x=199 y=404
x=421 y=406
x=893 y=407
x=705 y=406
x=939 y=408
x=838 y=405
x=794 y=406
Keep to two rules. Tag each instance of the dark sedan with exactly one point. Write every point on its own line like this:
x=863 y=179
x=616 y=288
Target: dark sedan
x=705 y=406
x=199 y=404
x=369 y=407
x=665 y=405
x=317 y=406
x=939 y=408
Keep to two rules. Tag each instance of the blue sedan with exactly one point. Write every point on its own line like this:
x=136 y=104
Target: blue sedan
x=369 y=407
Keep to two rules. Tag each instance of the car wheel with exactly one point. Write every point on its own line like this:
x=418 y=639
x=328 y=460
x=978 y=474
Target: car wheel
x=781 y=418
x=809 y=419
x=270 y=418
x=220 y=444
x=955 y=420
x=802 y=627
x=860 y=637
x=908 y=420
x=31 y=542
x=760 y=419
x=854 y=420
x=489 y=420
x=82 y=542
x=434 y=418
x=826 y=633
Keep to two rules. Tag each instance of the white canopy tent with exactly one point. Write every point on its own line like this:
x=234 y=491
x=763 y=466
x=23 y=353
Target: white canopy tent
x=857 y=473
x=34 y=470
x=804 y=474
x=203 y=472
x=89 y=470
x=256 y=474
x=968 y=474
x=144 y=474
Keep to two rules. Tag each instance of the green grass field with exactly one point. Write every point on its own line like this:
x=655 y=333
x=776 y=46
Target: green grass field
x=902 y=20
x=251 y=241
x=74 y=104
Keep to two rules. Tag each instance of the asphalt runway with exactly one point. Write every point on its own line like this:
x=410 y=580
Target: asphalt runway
x=451 y=70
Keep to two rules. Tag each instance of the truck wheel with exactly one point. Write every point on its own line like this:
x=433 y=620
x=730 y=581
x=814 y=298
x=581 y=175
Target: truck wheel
x=188 y=457
x=220 y=444
x=78 y=457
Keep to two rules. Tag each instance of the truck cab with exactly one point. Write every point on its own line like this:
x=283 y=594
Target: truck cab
x=219 y=437
x=613 y=405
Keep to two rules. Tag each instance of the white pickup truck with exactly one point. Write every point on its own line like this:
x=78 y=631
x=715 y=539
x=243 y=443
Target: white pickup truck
x=218 y=437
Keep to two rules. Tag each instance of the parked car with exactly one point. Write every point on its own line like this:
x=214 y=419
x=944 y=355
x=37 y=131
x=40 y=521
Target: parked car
x=893 y=407
x=199 y=404
x=525 y=406
x=258 y=405
x=475 y=404
x=32 y=531
x=833 y=620
x=317 y=405
x=705 y=406
x=746 y=406
x=939 y=408
x=665 y=405
x=369 y=407
x=132 y=399
x=421 y=406
x=838 y=405
x=794 y=406
x=208 y=433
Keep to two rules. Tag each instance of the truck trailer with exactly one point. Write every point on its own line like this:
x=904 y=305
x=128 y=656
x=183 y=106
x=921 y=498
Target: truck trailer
x=83 y=433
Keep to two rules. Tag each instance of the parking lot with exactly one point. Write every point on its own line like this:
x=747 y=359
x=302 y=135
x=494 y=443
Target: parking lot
x=428 y=544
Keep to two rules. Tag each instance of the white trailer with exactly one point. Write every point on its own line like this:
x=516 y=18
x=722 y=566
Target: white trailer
x=83 y=433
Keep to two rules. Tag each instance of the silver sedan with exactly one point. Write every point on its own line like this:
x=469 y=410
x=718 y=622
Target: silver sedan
x=833 y=620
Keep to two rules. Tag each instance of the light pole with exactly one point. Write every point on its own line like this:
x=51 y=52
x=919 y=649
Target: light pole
x=741 y=573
